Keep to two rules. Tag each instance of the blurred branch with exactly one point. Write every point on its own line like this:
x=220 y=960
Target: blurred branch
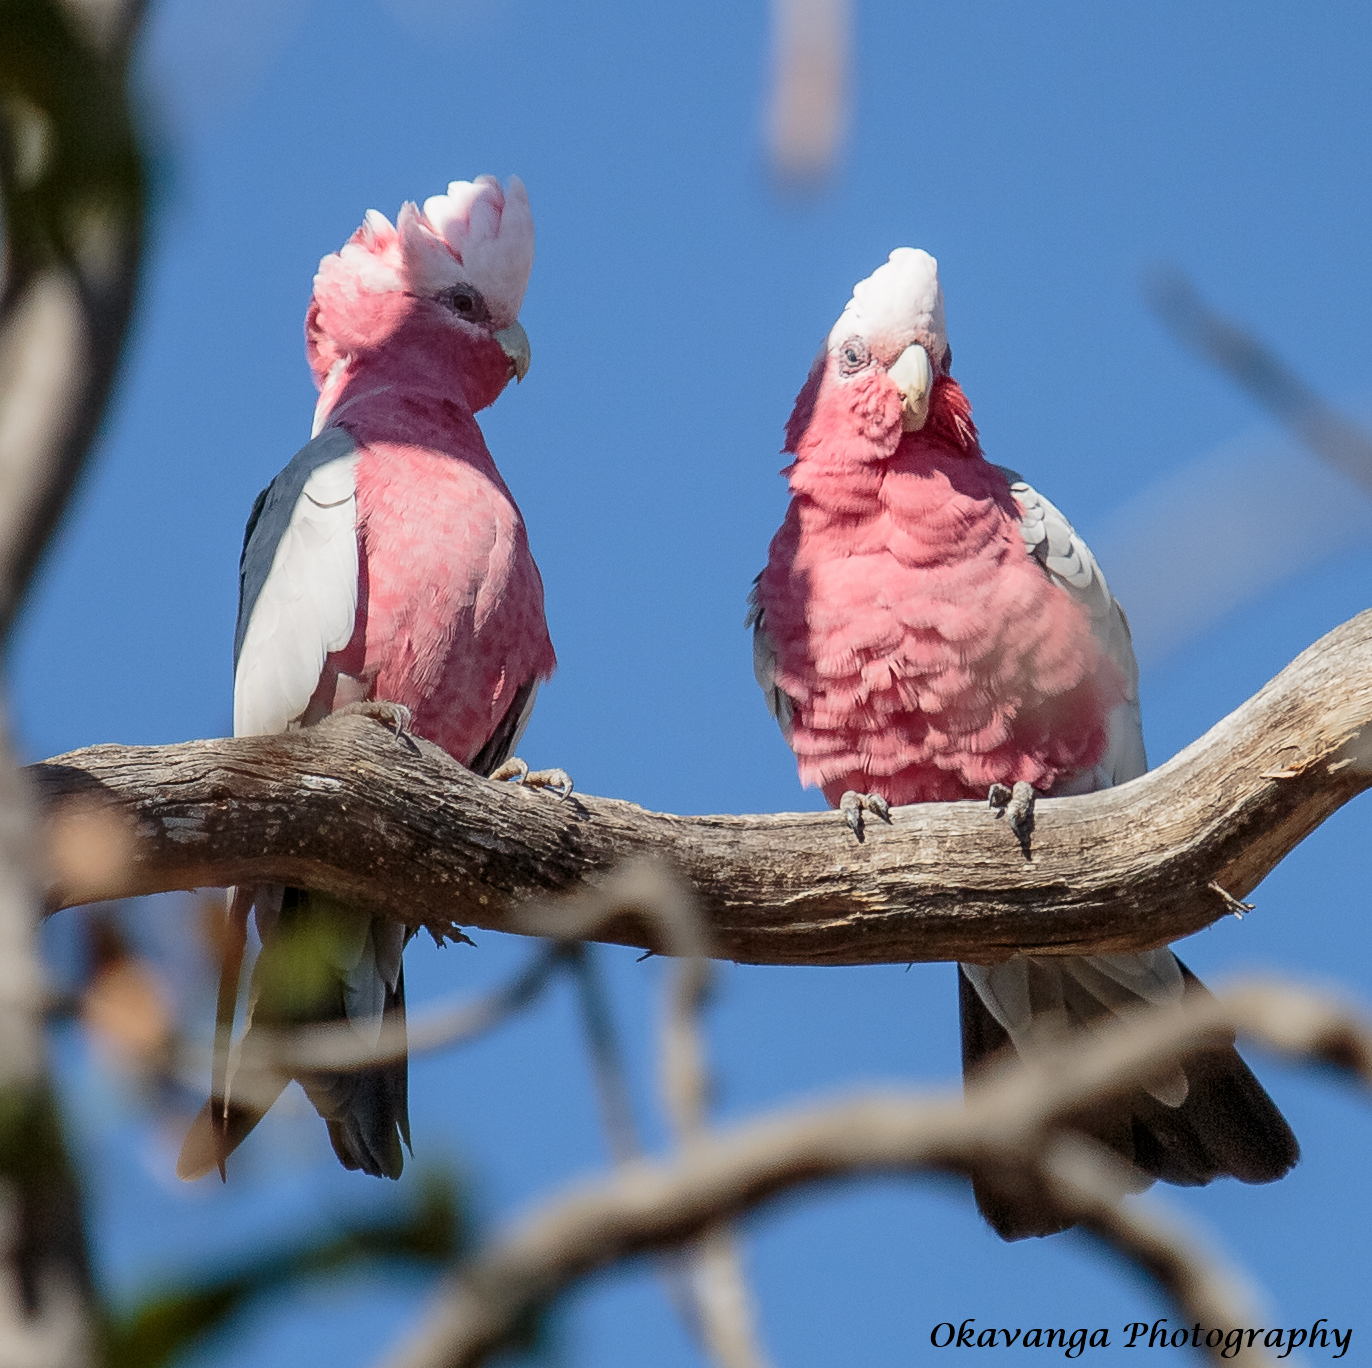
x=397 y=826
x=1093 y=1183
x=1014 y=1115
x=715 y=1301
x=1262 y=374
x=71 y=181
x=807 y=111
x=270 y=1059
x=607 y=1056
x=72 y=178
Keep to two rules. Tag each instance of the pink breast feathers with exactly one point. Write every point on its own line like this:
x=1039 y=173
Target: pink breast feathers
x=927 y=653
x=451 y=616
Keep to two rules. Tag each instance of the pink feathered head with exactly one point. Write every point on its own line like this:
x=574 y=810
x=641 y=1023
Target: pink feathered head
x=477 y=234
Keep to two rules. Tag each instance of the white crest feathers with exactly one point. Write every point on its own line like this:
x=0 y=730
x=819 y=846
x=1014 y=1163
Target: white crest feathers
x=899 y=303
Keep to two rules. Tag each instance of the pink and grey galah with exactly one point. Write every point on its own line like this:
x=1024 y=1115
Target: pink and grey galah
x=385 y=570
x=930 y=628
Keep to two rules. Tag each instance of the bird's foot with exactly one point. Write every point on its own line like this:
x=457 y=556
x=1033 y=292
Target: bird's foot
x=515 y=768
x=396 y=716
x=1017 y=804
x=853 y=804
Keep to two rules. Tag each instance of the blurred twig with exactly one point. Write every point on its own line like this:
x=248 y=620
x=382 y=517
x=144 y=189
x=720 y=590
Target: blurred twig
x=1257 y=370
x=807 y=110
x=1015 y=1115
x=607 y=1057
x=1093 y=1184
x=617 y=1113
x=271 y=1056
x=718 y=1306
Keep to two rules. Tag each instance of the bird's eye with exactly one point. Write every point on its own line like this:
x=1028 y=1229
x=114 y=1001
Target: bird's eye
x=466 y=303
x=853 y=355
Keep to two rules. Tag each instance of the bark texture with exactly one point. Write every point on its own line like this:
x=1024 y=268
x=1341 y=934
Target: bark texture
x=394 y=824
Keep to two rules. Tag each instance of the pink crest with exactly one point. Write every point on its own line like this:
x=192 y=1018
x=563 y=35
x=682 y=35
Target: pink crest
x=476 y=234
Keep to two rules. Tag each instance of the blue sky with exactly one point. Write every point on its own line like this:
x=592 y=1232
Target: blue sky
x=1047 y=154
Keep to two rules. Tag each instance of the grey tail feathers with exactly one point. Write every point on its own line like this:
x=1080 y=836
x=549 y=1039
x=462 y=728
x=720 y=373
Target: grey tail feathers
x=321 y=963
x=367 y=1110
x=1227 y=1126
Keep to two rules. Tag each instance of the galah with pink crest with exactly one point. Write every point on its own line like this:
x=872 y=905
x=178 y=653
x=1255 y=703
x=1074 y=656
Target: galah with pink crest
x=385 y=570
x=930 y=628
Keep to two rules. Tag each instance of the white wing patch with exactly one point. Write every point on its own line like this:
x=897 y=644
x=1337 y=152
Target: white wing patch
x=306 y=608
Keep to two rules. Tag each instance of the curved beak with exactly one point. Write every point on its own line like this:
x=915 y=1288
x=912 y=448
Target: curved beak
x=514 y=342
x=914 y=378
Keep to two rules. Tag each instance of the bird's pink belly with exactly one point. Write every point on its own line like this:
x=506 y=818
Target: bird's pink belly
x=931 y=686
x=451 y=622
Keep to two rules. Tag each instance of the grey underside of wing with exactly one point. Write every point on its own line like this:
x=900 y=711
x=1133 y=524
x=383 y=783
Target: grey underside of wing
x=298 y=584
x=1117 y=982
x=502 y=742
x=779 y=703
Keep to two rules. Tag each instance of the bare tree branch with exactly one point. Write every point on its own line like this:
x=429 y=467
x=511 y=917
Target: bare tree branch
x=1014 y=1115
x=714 y=1301
x=397 y=826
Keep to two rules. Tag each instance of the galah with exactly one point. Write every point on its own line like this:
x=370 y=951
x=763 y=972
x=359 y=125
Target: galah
x=387 y=570
x=930 y=628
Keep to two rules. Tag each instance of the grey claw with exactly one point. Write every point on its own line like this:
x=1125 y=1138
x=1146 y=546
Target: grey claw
x=556 y=779
x=515 y=768
x=1020 y=810
x=853 y=804
x=1018 y=806
x=396 y=716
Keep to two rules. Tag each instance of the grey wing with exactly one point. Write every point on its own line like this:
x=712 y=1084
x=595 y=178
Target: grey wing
x=1068 y=561
x=298 y=581
x=779 y=703
x=1113 y=981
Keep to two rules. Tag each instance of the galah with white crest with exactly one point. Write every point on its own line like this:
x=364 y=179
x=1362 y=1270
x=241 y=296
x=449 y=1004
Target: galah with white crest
x=930 y=628
x=385 y=570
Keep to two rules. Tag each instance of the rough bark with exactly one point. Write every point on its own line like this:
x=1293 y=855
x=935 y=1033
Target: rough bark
x=393 y=824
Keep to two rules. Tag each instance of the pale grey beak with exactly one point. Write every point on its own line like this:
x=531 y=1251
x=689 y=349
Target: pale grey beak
x=914 y=378
x=514 y=342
